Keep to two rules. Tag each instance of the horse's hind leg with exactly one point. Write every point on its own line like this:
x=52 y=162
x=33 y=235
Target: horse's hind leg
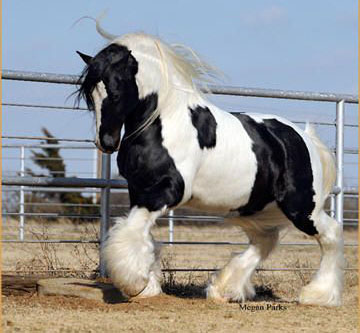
x=233 y=281
x=326 y=286
x=131 y=256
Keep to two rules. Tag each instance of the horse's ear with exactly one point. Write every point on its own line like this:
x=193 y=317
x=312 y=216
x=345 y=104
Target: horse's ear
x=132 y=63
x=84 y=57
x=126 y=56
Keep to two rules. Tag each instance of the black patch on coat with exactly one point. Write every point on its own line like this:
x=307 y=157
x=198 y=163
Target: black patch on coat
x=153 y=179
x=205 y=124
x=269 y=166
x=284 y=172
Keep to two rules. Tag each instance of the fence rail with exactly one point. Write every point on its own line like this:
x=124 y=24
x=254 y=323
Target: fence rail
x=219 y=90
x=105 y=183
x=96 y=241
x=64 y=182
x=101 y=183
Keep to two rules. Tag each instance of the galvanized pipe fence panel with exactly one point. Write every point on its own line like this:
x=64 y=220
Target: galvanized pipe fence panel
x=213 y=89
x=106 y=183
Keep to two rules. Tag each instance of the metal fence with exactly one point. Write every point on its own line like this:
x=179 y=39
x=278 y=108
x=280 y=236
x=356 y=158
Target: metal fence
x=104 y=184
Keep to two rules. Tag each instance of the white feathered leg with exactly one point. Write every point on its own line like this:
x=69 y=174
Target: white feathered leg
x=131 y=256
x=153 y=287
x=233 y=283
x=327 y=285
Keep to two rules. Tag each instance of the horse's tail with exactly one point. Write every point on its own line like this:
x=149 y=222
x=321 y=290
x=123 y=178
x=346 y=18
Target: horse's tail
x=326 y=158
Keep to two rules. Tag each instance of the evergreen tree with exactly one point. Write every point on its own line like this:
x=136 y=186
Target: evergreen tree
x=50 y=160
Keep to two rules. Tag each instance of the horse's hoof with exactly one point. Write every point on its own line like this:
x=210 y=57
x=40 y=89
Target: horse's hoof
x=145 y=295
x=213 y=294
x=314 y=294
x=149 y=291
x=152 y=288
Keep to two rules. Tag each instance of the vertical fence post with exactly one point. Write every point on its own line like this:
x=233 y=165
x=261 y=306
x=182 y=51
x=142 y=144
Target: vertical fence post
x=95 y=166
x=171 y=226
x=104 y=206
x=339 y=198
x=332 y=205
x=22 y=194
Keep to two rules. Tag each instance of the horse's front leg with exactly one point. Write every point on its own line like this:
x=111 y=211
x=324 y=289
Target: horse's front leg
x=131 y=256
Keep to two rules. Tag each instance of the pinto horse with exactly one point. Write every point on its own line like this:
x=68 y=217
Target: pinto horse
x=261 y=171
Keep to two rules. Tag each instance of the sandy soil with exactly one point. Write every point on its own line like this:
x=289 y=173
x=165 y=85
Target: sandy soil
x=172 y=314
x=185 y=310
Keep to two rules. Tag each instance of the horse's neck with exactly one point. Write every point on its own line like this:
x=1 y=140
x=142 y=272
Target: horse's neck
x=177 y=129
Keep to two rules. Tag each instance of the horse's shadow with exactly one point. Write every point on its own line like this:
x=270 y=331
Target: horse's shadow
x=185 y=290
x=111 y=295
x=263 y=293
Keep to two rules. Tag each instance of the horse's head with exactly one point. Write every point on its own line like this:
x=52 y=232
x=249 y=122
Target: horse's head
x=109 y=87
x=128 y=70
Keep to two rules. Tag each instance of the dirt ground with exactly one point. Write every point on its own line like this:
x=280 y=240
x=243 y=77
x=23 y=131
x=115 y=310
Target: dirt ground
x=183 y=308
x=170 y=314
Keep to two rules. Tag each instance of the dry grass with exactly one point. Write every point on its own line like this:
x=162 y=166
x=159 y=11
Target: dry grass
x=184 y=307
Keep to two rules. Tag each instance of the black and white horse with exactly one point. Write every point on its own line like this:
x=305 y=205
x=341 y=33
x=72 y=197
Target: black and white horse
x=179 y=149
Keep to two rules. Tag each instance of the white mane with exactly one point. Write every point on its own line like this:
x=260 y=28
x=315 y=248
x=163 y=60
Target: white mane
x=188 y=64
x=175 y=60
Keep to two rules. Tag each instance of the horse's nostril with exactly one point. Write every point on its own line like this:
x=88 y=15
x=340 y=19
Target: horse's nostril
x=108 y=140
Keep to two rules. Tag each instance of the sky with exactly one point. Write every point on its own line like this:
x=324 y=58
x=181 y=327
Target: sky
x=295 y=45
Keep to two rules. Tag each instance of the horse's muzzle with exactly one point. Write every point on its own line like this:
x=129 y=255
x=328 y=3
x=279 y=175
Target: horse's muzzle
x=107 y=144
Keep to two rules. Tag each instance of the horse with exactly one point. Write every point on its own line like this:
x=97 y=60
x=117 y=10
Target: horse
x=176 y=148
